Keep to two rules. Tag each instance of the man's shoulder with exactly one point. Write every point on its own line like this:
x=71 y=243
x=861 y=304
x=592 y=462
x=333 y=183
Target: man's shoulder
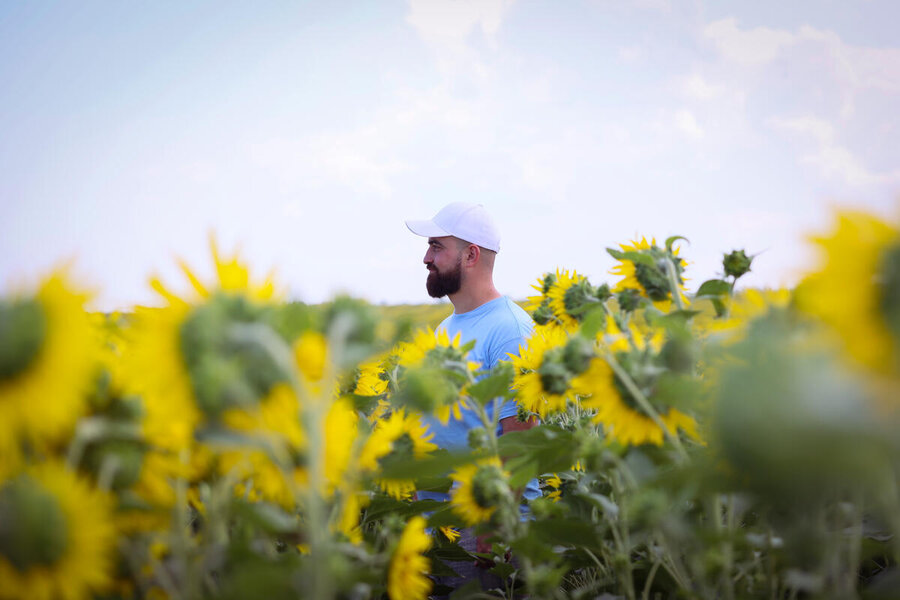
x=511 y=317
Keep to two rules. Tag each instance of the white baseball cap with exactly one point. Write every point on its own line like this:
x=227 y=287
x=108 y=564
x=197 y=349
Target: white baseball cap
x=468 y=222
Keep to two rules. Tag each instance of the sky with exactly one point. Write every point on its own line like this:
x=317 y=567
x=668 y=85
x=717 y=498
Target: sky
x=305 y=133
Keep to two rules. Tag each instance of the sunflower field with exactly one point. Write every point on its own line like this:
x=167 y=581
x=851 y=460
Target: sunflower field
x=726 y=443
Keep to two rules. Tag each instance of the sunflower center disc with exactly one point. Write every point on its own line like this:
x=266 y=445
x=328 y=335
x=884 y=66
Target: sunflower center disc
x=36 y=535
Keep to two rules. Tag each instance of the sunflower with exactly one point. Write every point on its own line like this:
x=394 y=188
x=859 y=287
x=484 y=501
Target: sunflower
x=48 y=354
x=311 y=355
x=371 y=380
x=409 y=567
x=451 y=534
x=430 y=351
x=648 y=281
x=400 y=433
x=56 y=535
x=474 y=496
x=541 y=378
x=624 y=423
x=341 y=426
x=560 y=299
x=857 y=287
x=637 y=335
x=431 y=348
x=275 y=422
x=348 y=524
x=743 y=308
x=553 y=487
x=161 y=367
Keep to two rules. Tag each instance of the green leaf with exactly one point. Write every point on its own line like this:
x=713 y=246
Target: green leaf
x=640 y=258
x=503 y=570
x=522 y=470
x=549 y=448
x=444 y=516
x=493 y=386
x=672 y=239
x=381 y=506
x=439 y=463
x=714 y=287
x=616 y=254
x=565 y=532
x=269 y=517
x=719 y=306
x=672 y=322
x=593 y=322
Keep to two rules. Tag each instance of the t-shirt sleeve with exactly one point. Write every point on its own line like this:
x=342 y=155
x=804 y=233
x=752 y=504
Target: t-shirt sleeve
x=511 y=346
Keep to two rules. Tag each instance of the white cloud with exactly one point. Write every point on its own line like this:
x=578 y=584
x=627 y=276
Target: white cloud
x=699 y=88
x=447 y=26
x=449 y=22
x=832 y=158
x=630 y=54
x=752 y=47
x=687 y=123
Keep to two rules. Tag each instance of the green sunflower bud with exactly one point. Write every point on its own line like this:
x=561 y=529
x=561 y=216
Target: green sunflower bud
x=554 y=377
x=603 y=293
x=356 y=317
x=578 y=297
x=678 y=354
x=654 y=280
x=427 y=389
x=548 y=282
x=224 y=348
x=736 y=263
x=489 y=487
x=32 y=524
x=23 y=327
x=628 y=300
x=478 y=438
x=890 y=289
x=577 y=354
x=128 y=459
x=543 y=314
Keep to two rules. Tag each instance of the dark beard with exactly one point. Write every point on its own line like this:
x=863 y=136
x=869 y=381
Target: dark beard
x=442 y=284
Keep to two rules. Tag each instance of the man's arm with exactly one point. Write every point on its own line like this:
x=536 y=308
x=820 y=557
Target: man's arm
x=514 y=424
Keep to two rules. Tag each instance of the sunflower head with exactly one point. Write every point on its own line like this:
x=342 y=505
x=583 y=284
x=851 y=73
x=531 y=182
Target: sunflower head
x=48 y=358
x=644 y=267
x=432 y=373
x=370 y=379
x=481 y=489
x=409 y=567
x=545 y=368
x=37 y=534
x=56 y=534
x=570 y=296
x=226 y=363
x=855 y=292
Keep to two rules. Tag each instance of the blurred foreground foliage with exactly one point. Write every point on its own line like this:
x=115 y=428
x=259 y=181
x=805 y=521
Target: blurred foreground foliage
x=228 y=443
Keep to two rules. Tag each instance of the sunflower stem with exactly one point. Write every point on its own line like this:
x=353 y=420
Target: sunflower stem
x=673 y=283
x=645 y=405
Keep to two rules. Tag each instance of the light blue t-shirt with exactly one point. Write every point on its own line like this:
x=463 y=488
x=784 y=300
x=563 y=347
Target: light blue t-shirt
x=498 y=327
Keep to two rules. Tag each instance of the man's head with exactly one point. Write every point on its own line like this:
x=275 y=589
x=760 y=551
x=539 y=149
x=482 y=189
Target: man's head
x=462 y=244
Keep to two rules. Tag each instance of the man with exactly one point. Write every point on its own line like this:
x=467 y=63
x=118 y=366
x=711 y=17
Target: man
x=463 y=243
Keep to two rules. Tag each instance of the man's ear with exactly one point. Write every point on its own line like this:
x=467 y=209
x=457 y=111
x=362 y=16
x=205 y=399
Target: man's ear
x=472 y=254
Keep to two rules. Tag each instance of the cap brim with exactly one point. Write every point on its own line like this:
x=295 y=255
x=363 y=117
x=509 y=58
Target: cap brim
x=426 y=229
